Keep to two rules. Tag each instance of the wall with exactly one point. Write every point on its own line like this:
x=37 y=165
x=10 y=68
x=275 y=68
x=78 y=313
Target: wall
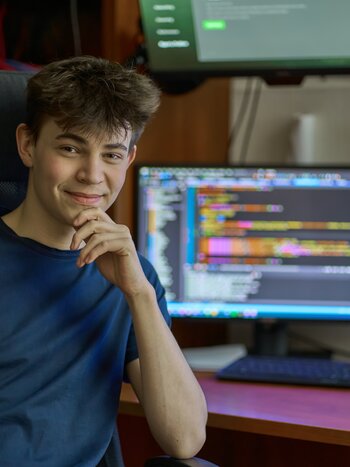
x=326 y=99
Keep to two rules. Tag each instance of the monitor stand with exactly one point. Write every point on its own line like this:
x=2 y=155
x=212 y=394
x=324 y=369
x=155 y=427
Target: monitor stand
x=270 y=338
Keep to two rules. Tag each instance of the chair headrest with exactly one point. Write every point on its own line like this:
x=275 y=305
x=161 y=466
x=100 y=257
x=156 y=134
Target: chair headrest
x=12 y=112
x=13 y=174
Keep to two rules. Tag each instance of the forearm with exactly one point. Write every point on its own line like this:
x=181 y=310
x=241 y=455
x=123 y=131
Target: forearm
x=173 y=401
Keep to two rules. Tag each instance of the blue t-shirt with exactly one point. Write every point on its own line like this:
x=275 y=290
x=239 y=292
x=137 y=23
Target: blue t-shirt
x=65 y=337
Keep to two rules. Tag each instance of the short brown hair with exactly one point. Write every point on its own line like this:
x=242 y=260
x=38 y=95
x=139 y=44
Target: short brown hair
x=93 y=95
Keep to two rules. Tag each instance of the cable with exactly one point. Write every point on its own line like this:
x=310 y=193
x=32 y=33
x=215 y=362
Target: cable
x=317 y=344
x=75 y=27
x=251 y=120
x=237 y=124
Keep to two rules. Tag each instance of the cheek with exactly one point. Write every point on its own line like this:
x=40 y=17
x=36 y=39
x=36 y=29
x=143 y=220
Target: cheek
x=53 y=173
x=117 y=180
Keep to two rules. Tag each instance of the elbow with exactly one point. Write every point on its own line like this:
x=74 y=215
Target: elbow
x=192 y=434
x=188 y=444
x=192 y=447
x=182 y=434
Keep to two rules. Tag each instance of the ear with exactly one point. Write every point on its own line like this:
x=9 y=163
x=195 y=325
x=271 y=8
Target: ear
x=132 y=155
x=25 y=144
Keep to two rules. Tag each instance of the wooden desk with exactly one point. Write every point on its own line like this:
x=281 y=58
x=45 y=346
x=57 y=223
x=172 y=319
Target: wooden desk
x=269 y=425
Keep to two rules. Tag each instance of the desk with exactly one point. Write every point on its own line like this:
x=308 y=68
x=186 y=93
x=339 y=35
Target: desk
x=269 y=425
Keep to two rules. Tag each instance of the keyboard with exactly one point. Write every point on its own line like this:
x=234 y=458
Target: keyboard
x=288 y=370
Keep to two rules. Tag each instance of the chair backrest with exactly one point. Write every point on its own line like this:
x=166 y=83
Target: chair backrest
x=13 y=174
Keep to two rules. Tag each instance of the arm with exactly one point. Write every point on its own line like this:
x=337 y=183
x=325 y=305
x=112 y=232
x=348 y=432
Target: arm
x=168 y=391
x=173 y=401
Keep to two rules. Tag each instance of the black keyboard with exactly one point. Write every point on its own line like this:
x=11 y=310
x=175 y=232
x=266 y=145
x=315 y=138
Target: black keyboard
x=288 y=370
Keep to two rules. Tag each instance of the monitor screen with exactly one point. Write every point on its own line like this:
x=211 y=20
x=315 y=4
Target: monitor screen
x=246 y=37
x=248 y=242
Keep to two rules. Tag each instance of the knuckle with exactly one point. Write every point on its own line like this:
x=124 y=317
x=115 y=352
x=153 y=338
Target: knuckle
x=124 y=230
x=104 y=244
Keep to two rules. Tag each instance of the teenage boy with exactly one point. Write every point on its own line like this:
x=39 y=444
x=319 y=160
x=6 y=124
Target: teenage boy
x=80 y=309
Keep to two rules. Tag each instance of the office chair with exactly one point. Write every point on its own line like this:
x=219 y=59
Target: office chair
x=13 y=184
x=13 y=174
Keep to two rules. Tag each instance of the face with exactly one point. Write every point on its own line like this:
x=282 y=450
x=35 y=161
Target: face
x=70 y=171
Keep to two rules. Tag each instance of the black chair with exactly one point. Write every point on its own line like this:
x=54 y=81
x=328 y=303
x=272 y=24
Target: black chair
x=13 y=174
x=13 y=184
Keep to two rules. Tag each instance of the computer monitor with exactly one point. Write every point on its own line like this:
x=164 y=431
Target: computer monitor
x=248 y=243
x=278 y=38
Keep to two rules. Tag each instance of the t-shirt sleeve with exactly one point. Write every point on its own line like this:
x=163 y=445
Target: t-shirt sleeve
x=152 y=276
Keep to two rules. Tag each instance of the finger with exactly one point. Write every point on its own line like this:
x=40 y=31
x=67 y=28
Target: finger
x=116 y=242
x=90 y=214
x=100 y=244
x=85 y=232
x=91 y=227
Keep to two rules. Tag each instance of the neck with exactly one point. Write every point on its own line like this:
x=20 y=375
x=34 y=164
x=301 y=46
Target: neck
x=29 y=223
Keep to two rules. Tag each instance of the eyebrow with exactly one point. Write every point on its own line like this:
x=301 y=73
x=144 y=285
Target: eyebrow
x=81 y=140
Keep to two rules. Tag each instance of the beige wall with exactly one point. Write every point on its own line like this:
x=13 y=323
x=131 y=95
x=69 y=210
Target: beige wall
x=327 y=100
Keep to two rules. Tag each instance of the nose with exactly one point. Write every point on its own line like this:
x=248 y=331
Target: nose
x=91 y=171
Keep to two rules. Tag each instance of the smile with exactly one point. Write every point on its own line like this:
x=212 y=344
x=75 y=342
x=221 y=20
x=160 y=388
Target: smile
x=84 y=198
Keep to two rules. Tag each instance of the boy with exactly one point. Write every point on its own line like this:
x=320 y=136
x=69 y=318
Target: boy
x=80 y=309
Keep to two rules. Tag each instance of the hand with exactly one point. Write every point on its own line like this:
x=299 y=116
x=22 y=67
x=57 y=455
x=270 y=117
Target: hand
x=111 y=246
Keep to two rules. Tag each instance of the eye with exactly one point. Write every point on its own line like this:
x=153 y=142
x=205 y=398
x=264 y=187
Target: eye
x=69 y=149
x=113 y=157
